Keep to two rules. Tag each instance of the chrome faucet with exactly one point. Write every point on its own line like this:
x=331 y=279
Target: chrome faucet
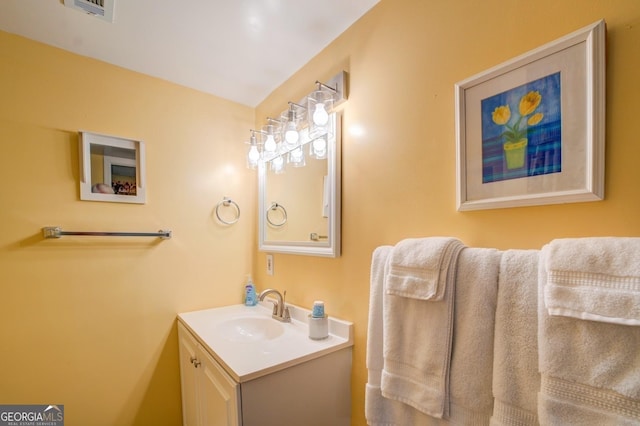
x=280 y=310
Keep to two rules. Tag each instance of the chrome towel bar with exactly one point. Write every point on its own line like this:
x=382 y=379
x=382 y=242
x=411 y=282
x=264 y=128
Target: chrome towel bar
x=57 y=232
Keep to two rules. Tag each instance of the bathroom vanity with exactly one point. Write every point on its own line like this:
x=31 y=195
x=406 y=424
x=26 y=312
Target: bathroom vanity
x=239 y=366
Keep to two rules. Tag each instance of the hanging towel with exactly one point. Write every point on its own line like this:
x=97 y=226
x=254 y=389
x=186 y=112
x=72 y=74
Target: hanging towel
x=380 y=411
x=375 y=363
x=590 y=370
x=476 y=291
x=594 y=278
x=418 y=307
x=418 y=267
x=475 y=302
x=516 y=380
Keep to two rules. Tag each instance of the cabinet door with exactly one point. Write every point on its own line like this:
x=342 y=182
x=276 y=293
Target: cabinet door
x=188 y=355
x=219 y=394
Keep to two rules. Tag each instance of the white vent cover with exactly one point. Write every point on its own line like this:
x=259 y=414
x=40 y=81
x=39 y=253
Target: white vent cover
x=102 y=9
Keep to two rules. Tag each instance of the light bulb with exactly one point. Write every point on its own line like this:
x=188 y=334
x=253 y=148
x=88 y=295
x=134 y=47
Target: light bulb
x=296 y=157
x=320 y=115
x=319 y=145
x=270 y=144
x=277 y=164
x=296 y=154
x=318 y=148
x=253 y=155
x=291 y=135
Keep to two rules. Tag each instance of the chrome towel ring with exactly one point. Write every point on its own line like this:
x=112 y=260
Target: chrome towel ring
x=274 y=207
x=226 y=202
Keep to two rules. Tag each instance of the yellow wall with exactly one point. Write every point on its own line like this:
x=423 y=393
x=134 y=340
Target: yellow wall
x=88 y=322
x=404 y=58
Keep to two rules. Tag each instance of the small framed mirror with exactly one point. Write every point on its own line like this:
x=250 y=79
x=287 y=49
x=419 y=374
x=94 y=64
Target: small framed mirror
x=112 y=169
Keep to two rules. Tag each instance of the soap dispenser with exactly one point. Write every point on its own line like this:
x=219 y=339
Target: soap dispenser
x=250 y=297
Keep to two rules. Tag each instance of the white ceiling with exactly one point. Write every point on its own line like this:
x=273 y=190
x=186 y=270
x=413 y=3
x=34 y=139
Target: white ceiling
x=240 y=50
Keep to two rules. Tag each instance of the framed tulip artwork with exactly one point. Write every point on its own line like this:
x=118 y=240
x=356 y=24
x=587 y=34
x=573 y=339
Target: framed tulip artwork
x=530 y=131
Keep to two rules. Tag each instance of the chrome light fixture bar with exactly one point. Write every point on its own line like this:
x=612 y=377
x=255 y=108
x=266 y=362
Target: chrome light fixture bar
x=280 y=138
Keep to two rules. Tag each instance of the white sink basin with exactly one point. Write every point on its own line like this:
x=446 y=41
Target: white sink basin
x=247 y=329
x=248 y=343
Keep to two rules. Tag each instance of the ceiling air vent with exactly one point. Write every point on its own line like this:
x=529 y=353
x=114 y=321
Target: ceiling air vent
x=102 y=9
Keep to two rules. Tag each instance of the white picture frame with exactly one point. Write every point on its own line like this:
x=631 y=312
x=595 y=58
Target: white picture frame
x=101 y=157
x=560 y=160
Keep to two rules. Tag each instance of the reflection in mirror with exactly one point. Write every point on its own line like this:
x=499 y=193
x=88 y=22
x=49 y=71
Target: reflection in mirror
x=276 y=216
x=299 y=209
x=111 y=169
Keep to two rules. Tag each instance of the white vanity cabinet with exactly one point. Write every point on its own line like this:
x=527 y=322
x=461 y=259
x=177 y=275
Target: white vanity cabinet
x=284 y=380
x=210 y=397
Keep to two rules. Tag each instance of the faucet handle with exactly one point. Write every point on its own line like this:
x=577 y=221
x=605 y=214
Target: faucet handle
x=275 y=306
x=285 y=314
x=285 y=309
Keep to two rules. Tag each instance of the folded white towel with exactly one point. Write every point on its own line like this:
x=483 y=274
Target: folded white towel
x=418 y=267
x=472 y=355
x=516 y=380
x=595 y=279
x=417 y=333
x=590 y=370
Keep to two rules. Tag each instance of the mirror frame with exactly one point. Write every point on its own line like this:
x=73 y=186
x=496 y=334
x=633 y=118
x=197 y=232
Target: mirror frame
x=86 y=140
x=330 y=248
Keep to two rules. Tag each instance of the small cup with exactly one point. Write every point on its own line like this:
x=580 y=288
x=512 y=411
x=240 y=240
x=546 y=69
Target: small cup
x=318 y=327
x=318 y=309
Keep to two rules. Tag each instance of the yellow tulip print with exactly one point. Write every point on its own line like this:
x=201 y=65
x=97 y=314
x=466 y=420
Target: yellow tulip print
x=521 y=130
x=502 y=114
x=535 y=119
x=530 y=102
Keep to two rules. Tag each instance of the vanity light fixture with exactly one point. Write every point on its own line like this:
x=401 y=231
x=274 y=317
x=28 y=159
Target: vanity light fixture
x=253 y=156
x=319 y=104
x=277 y=164
x=296 y=157
x=270 y=144
x=262 y=144
x=318 y=148
x=291 y=132
x=282 y=139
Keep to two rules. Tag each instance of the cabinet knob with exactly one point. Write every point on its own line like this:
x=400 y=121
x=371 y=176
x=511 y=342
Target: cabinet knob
x=193 y=359
x=196 y=363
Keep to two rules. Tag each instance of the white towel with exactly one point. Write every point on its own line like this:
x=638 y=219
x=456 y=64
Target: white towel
x=472 y=355
x=418 y=267
x=380 y=411
x=471 y=402
x=516 y=380
x=590 y=369
x=375 y=363
x=594 y=278
x=417 y=333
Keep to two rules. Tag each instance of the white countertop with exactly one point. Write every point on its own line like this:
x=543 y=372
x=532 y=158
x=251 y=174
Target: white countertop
x=248 y=359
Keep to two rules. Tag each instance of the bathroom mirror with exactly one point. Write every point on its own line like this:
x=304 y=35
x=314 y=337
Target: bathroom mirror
x=112 y=169
x=299 y=209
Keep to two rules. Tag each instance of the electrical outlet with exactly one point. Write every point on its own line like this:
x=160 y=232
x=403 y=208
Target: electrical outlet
x=269 y=264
